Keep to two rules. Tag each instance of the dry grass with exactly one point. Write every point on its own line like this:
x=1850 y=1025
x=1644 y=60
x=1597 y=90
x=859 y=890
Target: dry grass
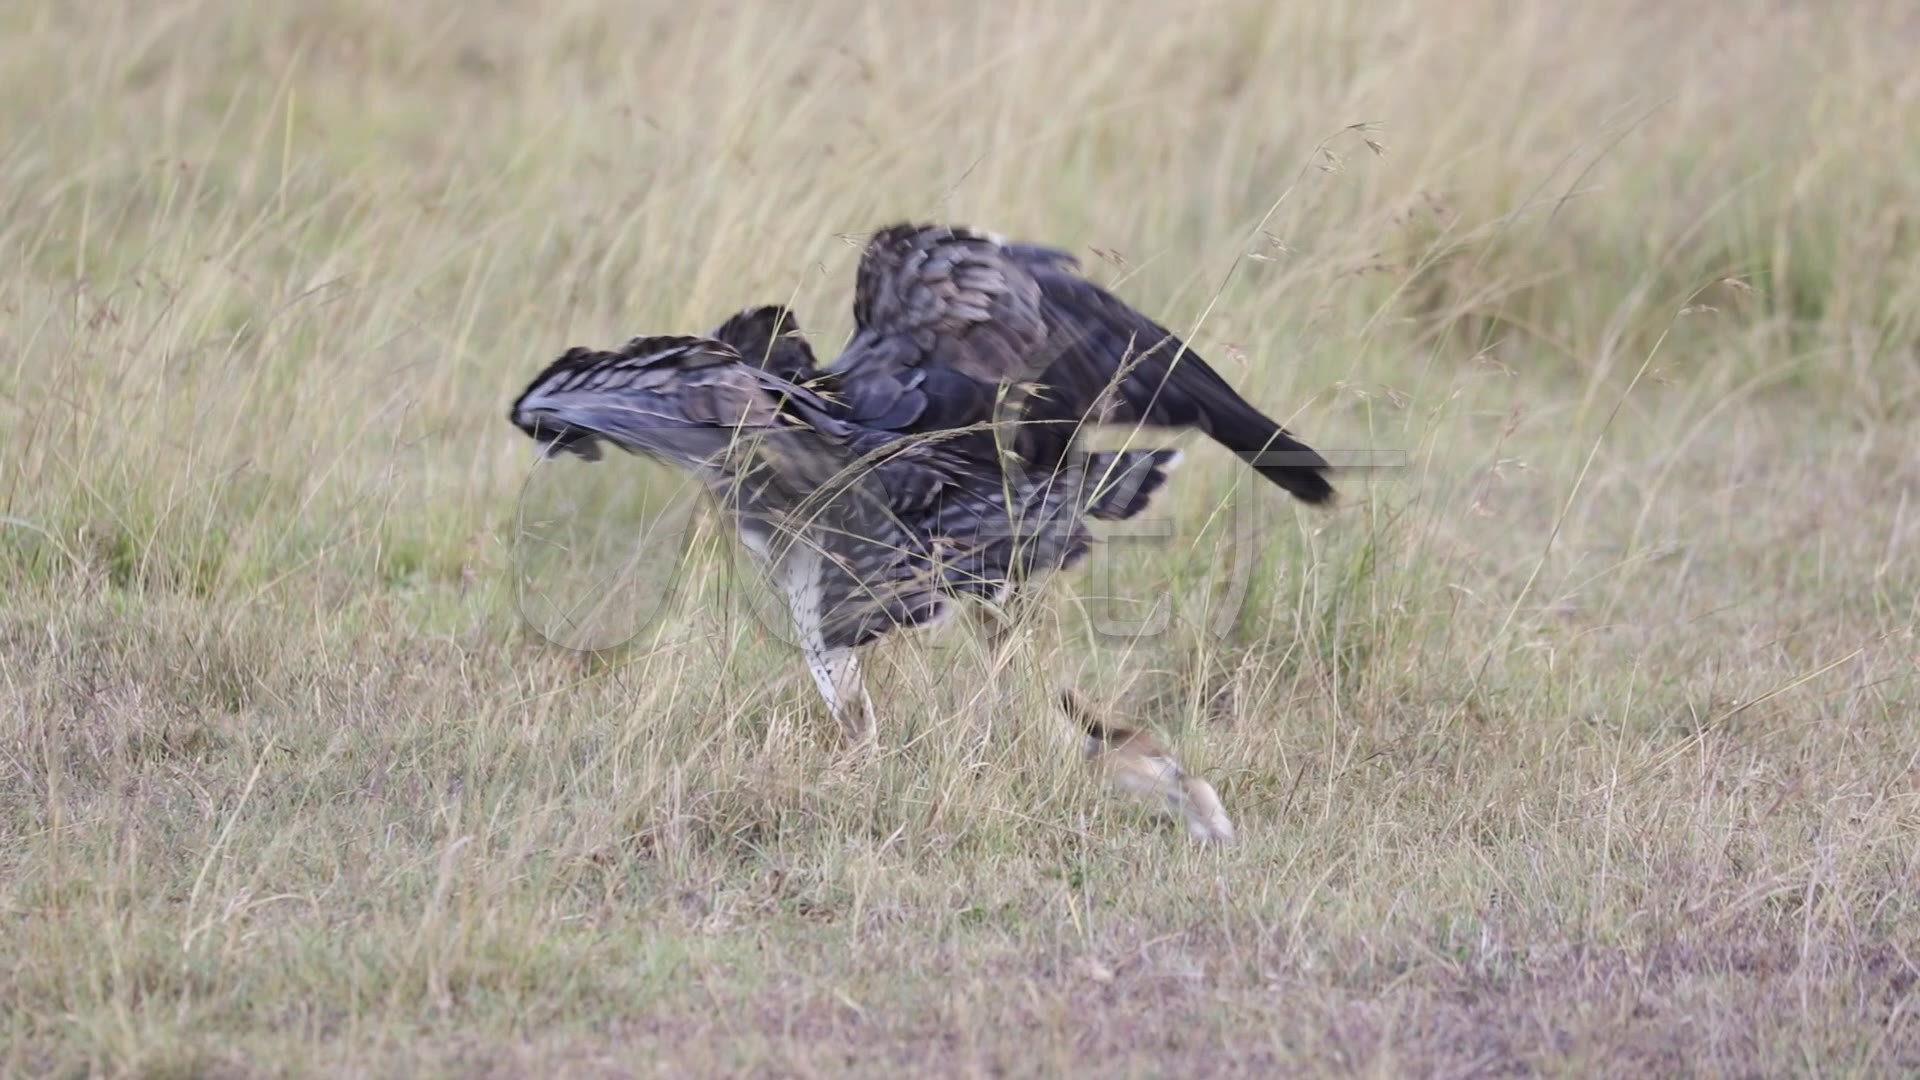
x=1584 y=744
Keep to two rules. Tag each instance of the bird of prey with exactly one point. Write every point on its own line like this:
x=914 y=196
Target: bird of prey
x=937 y=458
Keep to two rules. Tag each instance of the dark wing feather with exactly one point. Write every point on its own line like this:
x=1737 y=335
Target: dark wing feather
x=1109 y=363
x=769 y=337
x=958 y=329
x=1120 y=484
x=684 y=399
x=943 y=318
x=588 y=394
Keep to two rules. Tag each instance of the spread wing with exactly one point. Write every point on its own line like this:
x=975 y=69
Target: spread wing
x=943 y=317
x=957 y=328
x=688 y=400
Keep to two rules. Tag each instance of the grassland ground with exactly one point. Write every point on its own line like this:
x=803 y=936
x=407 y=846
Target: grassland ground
x=1583 y=744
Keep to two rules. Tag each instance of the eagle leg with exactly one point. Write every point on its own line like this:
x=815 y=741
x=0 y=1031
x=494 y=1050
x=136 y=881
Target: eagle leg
x=837 y=673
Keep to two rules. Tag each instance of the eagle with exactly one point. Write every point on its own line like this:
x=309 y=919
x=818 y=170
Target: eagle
x=937 y=459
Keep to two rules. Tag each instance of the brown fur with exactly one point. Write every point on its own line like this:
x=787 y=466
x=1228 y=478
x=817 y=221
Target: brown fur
x=1136 y=763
